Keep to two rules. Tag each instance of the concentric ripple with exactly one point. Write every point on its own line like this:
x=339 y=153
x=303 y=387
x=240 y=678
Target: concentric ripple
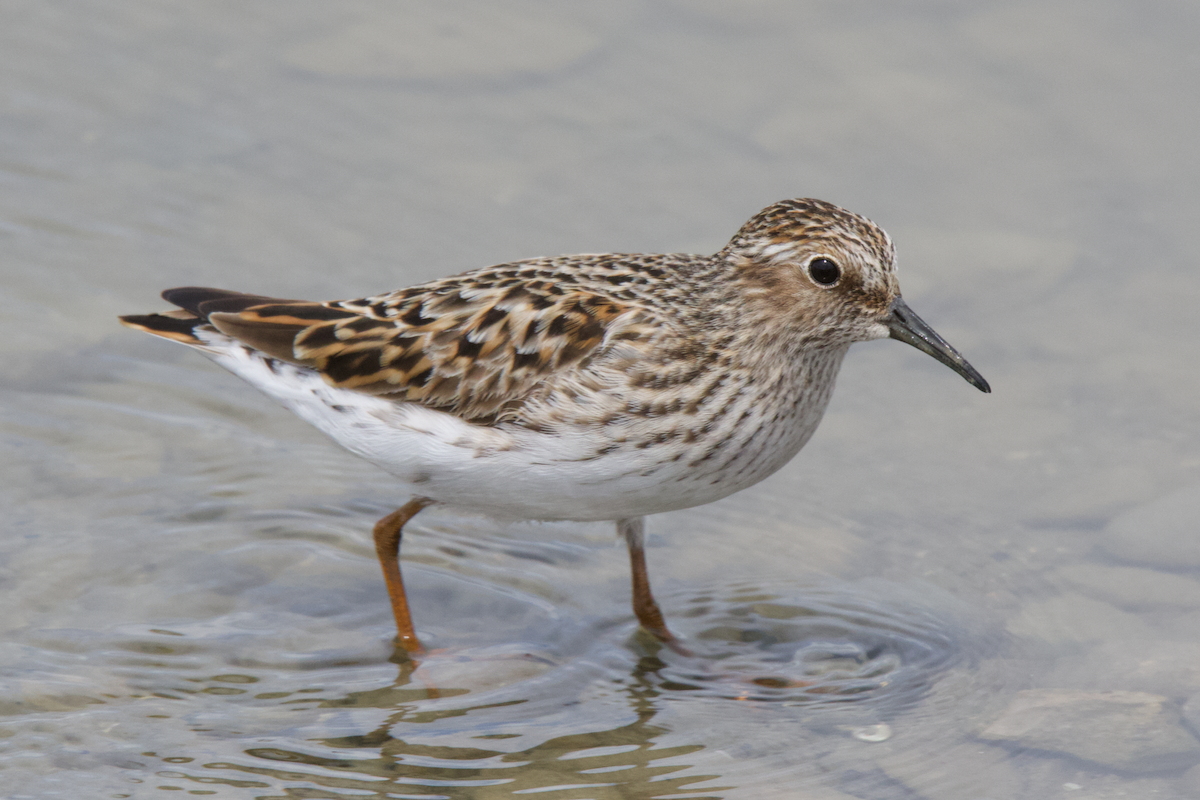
x=816 y=645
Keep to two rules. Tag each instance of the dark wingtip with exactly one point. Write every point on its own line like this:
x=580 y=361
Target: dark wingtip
x=190 y=297
x=203 y=301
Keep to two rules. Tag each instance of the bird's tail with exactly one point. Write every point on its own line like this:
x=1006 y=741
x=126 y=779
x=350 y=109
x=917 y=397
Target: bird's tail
x=179 y=326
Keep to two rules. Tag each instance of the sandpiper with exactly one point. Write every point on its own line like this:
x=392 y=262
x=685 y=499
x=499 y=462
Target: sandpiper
x=583 y=387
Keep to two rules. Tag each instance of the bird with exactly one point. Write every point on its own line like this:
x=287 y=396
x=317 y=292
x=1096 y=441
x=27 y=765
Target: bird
x=593 y=387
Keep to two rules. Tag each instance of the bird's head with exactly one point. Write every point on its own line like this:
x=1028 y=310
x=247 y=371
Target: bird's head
x=829 y=276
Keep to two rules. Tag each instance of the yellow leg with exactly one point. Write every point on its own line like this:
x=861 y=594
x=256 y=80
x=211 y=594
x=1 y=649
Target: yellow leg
x=387 y=545
x=644 y=607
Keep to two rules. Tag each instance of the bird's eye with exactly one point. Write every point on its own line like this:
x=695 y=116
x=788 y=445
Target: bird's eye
x=824 y=271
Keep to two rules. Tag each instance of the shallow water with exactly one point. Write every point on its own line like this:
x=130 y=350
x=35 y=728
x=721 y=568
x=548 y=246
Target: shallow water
x=191 y=600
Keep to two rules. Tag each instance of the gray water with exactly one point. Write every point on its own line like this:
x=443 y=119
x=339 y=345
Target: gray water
x=947 y=595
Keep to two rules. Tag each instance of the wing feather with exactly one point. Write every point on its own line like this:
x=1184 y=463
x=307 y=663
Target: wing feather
x=478 y=350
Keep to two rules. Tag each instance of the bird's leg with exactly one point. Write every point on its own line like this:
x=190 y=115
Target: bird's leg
x=387 y=545
x=644 y=607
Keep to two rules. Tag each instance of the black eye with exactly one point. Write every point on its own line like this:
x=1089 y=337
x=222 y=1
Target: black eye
x=824 y=271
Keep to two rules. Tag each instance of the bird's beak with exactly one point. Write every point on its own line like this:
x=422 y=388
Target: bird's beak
x=906 y=326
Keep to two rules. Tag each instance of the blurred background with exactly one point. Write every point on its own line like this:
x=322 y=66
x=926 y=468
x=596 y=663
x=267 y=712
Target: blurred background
x=947 y=595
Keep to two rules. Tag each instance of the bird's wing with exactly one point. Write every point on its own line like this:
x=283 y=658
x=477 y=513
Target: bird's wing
x=477 y=351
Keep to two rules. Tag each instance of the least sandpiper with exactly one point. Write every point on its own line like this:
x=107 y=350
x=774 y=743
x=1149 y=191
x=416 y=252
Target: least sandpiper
x=585 y=387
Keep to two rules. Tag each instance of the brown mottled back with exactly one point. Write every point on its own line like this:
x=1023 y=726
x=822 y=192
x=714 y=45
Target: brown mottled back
x=471 y=351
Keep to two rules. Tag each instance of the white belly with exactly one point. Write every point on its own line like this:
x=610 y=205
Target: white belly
x=515 y=472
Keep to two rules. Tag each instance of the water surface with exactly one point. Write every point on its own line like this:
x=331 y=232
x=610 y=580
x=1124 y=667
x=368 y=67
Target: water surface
x=191 y=600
